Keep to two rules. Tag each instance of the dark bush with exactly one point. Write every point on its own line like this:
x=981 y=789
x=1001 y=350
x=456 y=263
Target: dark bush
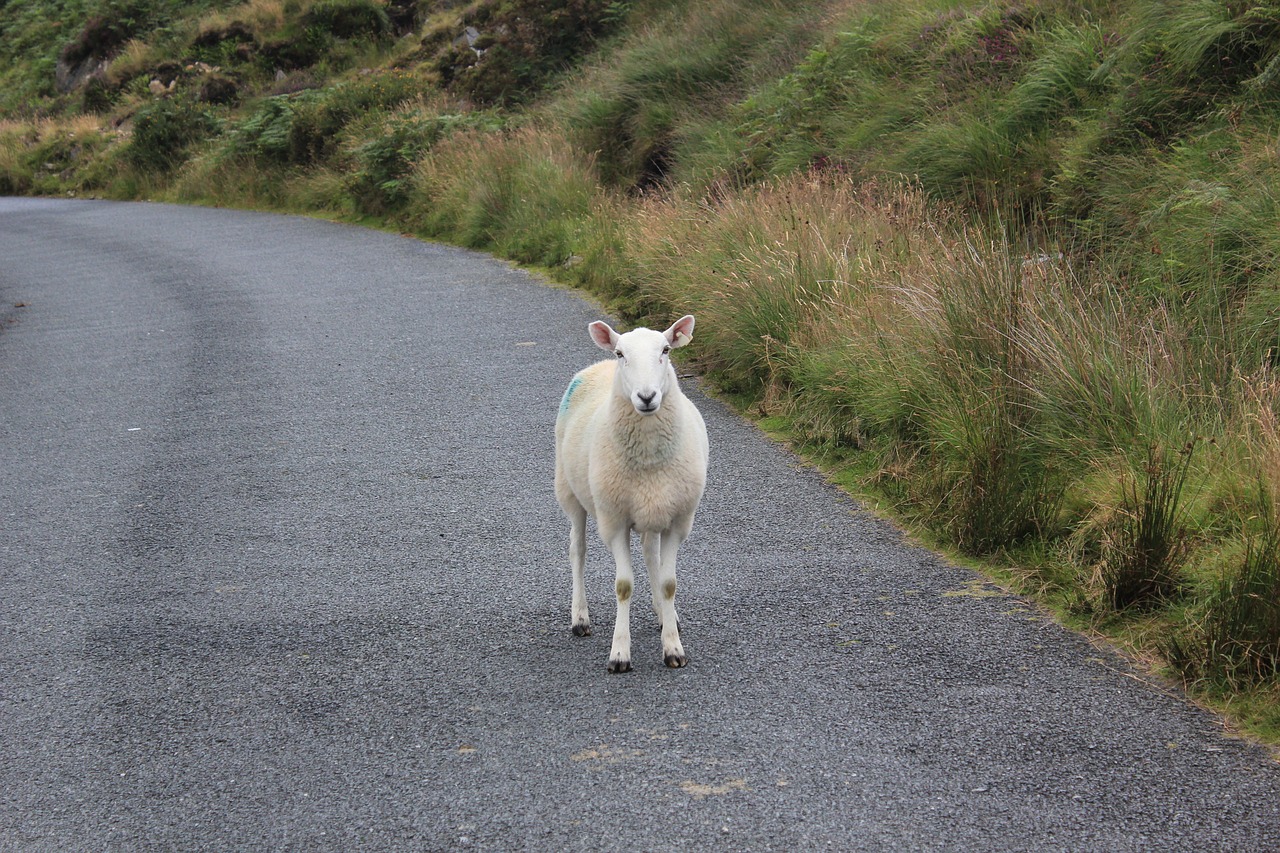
x=167 y=72
x=1242 y=633
x=236 y=31
x=522 y=44
x=1237 y=641
x=295 y=52
x=1150 y=540
x=318 y=120
x=349 y=19
x=163 y=132
x=403 y=15
x=218 y=89
x=103 y=34
x=305 y=128
x=99 y=95
x=267 y=134
x=386 y=162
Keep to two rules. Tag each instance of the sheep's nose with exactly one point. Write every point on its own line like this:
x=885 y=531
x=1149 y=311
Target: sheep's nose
x=647 y=399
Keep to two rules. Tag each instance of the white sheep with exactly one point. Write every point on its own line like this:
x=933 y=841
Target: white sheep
x=631 y=450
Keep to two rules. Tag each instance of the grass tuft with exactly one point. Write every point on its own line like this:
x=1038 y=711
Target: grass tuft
x=1149 y=540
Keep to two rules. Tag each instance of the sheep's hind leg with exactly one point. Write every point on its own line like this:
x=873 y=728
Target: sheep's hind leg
x=619 y=542
x=651 y=544
x=579 y=615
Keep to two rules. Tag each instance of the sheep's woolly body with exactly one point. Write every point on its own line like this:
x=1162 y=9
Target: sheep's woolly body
x=631 y=451
x=646 y=471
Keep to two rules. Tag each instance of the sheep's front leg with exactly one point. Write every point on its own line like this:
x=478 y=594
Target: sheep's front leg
x=665 y=588
x=581 y=618
x=620 y=655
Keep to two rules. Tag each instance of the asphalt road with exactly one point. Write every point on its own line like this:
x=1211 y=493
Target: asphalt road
x=281 y=568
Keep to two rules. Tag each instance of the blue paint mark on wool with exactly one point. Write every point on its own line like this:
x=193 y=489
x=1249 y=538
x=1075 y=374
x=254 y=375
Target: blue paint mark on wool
x=573 y=386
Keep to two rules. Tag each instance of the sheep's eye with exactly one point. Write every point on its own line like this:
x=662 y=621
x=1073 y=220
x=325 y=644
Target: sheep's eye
x=666 y=350
x=618 y=353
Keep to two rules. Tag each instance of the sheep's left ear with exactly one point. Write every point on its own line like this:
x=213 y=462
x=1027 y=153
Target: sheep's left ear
x=681 y=331
x=604 y=335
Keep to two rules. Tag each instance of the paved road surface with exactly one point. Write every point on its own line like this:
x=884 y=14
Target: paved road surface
x=281 y=568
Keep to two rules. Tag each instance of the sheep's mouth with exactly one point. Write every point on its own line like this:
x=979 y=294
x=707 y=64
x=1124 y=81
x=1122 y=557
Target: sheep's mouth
x=646 y=410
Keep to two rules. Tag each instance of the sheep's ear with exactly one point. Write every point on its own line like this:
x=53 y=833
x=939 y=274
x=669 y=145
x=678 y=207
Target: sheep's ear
x=604 y=336
x=681 y=331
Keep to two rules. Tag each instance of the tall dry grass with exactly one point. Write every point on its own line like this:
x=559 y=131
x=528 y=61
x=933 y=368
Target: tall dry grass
x=262 y=17
x=1232 y=635
x=521 y=192
x=56 y=155
x=1006 y=395
x=990 y=379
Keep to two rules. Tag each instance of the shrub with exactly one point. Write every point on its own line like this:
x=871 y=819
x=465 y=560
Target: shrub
x=218 y=89
x=267 y=134
x=1242 y=631
x=349 y=19
x=1234 y=641
x=523 y=43
x=15 y=171
x=636 y=112
x=994 y=482
x=294 y=50
x=521 y=193
x=385 y=162
x=164 y=131
x=320 y=117
x=104 y=33
x=307 y=128
x=1149 y=540
x=99 y=95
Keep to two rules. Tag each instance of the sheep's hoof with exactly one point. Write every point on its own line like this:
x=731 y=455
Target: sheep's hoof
x=619 y=666
x=675 y=661
x=583 y=630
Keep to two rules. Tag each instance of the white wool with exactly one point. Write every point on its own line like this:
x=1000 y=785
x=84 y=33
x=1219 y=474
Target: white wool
x=631 y=451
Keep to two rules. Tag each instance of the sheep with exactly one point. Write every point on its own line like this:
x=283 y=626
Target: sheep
x=631 y=451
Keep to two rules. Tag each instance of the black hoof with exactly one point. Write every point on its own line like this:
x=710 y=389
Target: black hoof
x=582 y=630
x=619 y=666
x=675 y=661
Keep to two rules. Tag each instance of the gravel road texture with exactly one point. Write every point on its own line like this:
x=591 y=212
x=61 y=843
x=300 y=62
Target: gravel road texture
x=281 y=567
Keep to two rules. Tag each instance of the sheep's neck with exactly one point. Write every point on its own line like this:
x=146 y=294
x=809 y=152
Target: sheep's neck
x=649 y=440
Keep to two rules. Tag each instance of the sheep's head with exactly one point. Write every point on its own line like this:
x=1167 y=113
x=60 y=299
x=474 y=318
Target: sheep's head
x=644 y=373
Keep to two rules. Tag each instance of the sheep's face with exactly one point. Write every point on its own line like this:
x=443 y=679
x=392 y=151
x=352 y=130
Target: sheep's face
x=644 y=369
x=644 y=374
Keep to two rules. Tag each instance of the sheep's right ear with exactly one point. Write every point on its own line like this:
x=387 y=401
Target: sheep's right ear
x=604 y=336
